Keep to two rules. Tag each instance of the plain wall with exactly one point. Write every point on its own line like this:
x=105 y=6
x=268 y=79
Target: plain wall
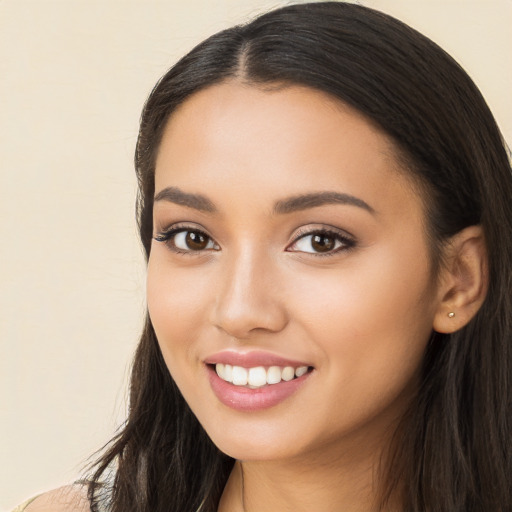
x=73 y=77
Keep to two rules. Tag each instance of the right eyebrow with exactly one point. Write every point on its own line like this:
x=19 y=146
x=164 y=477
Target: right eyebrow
x=177 y=196
x=312 y=200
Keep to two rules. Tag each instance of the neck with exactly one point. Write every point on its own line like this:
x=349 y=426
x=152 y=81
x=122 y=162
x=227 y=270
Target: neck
x=346 y=482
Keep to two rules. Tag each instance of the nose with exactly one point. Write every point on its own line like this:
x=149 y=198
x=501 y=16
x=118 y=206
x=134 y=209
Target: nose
x=249 y=298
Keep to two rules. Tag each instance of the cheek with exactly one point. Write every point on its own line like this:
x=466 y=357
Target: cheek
x=371 y=321
x=175 y=303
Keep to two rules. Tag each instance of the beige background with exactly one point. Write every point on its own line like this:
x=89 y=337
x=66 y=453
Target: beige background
x=73 y=77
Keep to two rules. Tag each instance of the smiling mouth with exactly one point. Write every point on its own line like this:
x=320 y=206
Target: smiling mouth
x=258 y=376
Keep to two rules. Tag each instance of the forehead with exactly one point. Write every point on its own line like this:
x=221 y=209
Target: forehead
x=281 y=141
x=257 y=114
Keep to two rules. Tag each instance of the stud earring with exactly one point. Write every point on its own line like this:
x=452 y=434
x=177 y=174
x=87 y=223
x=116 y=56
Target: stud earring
x=451 y=314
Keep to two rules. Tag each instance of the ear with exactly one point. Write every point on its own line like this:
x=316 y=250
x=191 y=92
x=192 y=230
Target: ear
x=463 y=281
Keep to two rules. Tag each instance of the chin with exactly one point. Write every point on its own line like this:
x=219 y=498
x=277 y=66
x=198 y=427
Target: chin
x=256 y=440
x=252 y=450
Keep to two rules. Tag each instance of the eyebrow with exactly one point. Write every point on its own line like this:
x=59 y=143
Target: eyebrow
x=177 y=196
x=305 y=201
x=281 y=207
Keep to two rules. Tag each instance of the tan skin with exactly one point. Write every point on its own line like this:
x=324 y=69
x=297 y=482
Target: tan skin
x=359 y=307
x=359 y=314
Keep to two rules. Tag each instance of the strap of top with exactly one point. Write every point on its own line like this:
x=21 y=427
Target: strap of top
x=23 y=506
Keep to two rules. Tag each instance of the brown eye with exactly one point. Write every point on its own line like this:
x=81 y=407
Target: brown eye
x=187 y=240
x=196 y=241
x=323 y=243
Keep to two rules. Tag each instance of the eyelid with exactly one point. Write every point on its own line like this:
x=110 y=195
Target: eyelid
x=166 y=235
x=347 y=240
x=180 y=226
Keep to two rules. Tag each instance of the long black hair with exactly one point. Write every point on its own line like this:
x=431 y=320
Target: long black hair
x=453 y=450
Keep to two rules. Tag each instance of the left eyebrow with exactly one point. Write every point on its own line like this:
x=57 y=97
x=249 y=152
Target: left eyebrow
x=177 y=196
x=306 y=201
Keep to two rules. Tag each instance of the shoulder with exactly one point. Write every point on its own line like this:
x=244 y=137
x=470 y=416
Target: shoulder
x=72 y=498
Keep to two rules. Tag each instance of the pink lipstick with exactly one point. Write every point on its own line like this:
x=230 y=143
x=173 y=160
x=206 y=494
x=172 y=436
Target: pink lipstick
x=254 y=380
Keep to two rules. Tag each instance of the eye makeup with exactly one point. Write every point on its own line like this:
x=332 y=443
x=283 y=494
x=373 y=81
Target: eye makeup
x=186 y=239
x=317 y=241
x=321 y=241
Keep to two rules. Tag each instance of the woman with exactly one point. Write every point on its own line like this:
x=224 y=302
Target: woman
x=325 y=207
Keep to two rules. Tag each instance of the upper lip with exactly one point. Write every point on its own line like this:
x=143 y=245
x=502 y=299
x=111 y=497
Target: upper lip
x=252 y=359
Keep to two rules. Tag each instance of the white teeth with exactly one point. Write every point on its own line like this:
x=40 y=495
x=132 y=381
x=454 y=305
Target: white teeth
x=239 y=376
x=219 y=368
x=300 y=371
x=258 y=376
x=274 y=375
x=288 y=373
x=228 y=373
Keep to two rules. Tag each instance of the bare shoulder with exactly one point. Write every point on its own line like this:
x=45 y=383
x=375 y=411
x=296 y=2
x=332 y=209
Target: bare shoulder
x=72 y=498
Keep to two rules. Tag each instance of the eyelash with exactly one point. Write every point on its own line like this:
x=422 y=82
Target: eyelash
x=168 y=235
x=346 y=242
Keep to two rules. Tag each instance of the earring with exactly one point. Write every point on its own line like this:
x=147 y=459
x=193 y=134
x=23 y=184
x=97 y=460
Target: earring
x=451 y=314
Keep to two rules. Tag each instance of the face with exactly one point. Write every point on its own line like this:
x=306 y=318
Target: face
x=289 y=250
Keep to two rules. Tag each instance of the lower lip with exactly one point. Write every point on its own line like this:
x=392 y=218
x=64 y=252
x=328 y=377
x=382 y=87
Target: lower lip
x=246 y=399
